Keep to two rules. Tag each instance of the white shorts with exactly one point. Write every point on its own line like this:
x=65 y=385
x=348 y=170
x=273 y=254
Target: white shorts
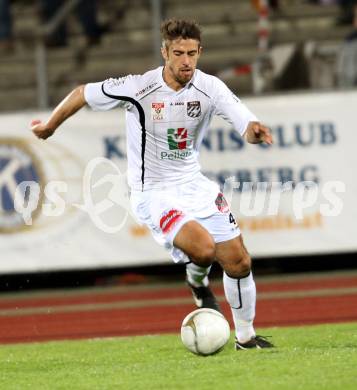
x=166 y=210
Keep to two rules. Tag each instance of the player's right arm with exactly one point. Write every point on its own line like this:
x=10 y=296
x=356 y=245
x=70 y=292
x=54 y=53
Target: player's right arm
x=99 y=96
x=73 y=102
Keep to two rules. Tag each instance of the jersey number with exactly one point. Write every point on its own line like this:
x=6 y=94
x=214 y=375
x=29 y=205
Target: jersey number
x=231 y=219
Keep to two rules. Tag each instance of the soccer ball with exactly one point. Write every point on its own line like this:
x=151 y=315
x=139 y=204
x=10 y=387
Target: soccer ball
x=205 y=331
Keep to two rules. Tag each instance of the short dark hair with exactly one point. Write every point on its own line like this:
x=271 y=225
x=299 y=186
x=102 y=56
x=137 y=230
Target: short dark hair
x=173 y=28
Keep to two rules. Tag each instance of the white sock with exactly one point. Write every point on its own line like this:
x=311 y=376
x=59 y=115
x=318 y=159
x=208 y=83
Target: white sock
x=197 y=276
x=241 y=296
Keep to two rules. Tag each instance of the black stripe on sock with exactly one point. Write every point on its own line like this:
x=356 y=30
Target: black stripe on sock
x=239 y=296
x=240 y=293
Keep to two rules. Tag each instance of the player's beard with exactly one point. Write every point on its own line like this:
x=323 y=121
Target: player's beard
x=182 y=78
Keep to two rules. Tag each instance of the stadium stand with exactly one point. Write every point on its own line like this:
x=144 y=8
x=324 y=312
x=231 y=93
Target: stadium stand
x=230 y=42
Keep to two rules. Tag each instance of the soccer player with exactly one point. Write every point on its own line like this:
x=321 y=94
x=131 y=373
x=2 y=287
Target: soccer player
x=168 y=111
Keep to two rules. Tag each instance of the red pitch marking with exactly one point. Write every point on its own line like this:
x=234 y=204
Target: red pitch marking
x=304 y=285
x=91 y=298
x=179 y=292
x=152 y=319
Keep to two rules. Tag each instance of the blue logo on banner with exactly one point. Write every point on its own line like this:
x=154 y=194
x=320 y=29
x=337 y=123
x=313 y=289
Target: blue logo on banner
x=17 y=164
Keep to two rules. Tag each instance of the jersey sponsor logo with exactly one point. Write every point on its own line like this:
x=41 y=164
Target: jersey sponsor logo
x=175 y=155
x=178 y=142
x=194 y=109
x=146 y=89
x=169 y=219
x=117 y=82
x=177 y=138
x=221 y=203
x=157 y=111
x=177 y=104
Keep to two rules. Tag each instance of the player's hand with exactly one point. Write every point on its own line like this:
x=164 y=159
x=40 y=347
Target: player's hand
x=40 y=129
x=261 y=132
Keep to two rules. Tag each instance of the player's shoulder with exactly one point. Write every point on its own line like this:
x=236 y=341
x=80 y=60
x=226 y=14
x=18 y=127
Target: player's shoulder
x=148 y=81
x=207 y=83
x=118 y=85
x=135 y=85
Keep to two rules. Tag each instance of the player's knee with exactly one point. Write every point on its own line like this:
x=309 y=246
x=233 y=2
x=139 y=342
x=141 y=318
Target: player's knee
x=245 y=266
x=206 y=255
x=239 y=268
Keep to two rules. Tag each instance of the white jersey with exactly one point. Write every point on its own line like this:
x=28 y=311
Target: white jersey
x=165 y=128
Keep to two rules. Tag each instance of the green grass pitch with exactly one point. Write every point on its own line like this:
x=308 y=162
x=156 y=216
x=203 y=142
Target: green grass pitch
x=311 y=357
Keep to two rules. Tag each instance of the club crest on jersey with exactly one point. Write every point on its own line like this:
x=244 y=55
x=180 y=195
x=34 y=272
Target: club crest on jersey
x=194 y=109
x=157 y=111
x=221 y=203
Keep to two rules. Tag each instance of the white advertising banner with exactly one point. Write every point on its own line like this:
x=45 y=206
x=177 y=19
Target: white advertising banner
x=297 y=197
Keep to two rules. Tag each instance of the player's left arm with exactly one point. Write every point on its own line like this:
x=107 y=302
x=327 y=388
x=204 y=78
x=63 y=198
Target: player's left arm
x=229 y=107
x=257 y=133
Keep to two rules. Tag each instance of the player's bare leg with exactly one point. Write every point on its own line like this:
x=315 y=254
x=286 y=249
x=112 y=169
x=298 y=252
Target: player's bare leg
x=234 y=258
x=240 y=291
x=199 y=246
x=194 y=240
